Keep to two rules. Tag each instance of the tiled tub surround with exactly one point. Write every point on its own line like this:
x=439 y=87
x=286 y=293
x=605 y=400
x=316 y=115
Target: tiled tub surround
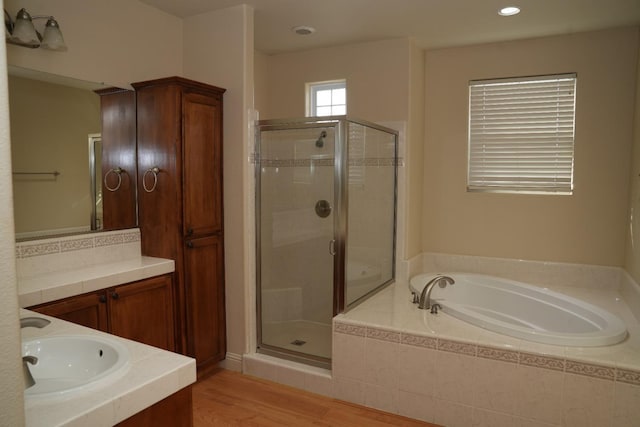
x=151 y=376
x=55 y=268
x=390 y=355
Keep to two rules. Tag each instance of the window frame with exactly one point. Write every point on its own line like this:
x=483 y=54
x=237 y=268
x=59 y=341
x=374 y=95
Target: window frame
x=482 y=175
x=314 y=87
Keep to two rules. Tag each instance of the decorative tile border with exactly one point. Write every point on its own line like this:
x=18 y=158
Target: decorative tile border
x=627 y=376
x=545 y=362
x=50 y=246
x=589 y=370
x=382 y=335
x=109 y=240
x=76 y=244
x=498 y=354
x=457 y=347
x=46 y=248
x=130 y=237
x=345 y=328
x=328 y=161
x=420 y=341
x=503 y=355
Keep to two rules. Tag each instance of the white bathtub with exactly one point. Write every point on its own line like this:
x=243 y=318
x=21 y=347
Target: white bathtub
x=524 y=311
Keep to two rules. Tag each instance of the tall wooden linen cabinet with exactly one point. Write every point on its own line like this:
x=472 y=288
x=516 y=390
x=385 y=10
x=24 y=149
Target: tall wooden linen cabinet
x=179 y=127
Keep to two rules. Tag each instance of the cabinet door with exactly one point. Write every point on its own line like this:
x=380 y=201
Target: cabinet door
x=204 y=283
x=159 y=194
x=202 y=148
x=88 y=310
x=118 y=109
x=143 y=311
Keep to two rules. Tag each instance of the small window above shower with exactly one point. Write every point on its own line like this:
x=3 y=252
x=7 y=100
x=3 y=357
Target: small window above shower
x=327 y=98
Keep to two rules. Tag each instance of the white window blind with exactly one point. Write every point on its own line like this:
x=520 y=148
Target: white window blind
x=521 y=134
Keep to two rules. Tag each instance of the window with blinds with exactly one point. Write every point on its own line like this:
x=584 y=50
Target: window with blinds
x=521 y=134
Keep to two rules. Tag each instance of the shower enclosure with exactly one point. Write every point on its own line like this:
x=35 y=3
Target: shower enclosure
x=325 y=218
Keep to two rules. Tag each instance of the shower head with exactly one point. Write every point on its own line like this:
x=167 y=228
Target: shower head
x=320 y=140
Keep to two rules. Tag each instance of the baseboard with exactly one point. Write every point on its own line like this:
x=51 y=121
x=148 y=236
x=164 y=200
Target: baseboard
x=232 y=362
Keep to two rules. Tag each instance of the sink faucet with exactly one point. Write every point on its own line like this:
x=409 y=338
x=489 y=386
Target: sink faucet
x=28 y=378
x=35 y=322
x=425 y=297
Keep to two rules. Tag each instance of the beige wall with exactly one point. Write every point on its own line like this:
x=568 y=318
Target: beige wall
x=587 y=227
x=413 y=156
x=116 y=42
x=260 y=83
x=50 y=124
x=377 y=76
x=218 y=49
x=632 y=261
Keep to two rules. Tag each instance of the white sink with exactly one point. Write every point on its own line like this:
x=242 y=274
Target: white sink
x=73 y=362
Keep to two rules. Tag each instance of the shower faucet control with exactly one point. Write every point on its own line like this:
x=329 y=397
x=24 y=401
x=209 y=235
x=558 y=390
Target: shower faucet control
x=323 y=208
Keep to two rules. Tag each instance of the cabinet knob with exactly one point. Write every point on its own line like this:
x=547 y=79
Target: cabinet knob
x=102 y=298
x=189 y=231
x=115 y=295
x=190 y=244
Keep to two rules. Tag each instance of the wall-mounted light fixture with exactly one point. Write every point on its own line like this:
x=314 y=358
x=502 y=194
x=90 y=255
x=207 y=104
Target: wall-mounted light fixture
x=22 y=32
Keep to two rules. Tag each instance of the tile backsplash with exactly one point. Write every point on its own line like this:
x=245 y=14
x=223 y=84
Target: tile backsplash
x=37 y=257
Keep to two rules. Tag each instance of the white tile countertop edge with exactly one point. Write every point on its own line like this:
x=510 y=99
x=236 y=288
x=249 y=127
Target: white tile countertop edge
x=63 y=284
x=152 y=375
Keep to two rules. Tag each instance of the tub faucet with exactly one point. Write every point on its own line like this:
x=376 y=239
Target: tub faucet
x=425 y=297
x=35 y=322
x=26 y=372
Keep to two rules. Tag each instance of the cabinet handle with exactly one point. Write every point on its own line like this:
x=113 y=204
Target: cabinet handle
x=102 y=298
x=155 y=171
x=115 y=295
x=190 y=244
x=189 y=231
x=118 y=171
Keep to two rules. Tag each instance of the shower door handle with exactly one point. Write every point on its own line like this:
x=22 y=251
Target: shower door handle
x=332 y=247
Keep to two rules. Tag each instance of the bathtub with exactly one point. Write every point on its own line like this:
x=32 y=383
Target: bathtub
x=524 y=311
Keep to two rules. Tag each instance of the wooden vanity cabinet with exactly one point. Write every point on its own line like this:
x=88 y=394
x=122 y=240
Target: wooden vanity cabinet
x=141 y=311
x=118 y=110
x=88 y=310
x=180 y=204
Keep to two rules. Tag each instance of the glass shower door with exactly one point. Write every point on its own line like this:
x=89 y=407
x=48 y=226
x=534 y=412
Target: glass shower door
x=296 y=211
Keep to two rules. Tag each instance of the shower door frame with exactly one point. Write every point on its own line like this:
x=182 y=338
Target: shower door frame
x=340 y=220
x=338 y=235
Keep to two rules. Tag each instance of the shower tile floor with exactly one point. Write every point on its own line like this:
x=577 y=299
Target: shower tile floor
x=289 y=335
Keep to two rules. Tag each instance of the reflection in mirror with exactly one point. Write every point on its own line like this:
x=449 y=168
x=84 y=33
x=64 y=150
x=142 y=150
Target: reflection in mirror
x=55 y=189
x=95 y=168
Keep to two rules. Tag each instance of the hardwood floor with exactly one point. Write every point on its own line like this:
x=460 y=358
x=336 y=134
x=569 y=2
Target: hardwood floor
x=229 y=398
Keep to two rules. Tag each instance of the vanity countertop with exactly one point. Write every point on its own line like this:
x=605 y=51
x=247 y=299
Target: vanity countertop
x=152 y=375
x=63 y=284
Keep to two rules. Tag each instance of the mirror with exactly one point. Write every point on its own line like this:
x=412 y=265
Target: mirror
x=56 y=153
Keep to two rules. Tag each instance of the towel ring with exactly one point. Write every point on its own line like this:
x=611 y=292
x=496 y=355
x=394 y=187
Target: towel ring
x=154 y=170
x=118 y=171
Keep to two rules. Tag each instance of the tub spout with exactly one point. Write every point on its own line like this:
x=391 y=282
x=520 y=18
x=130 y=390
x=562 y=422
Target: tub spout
x=425 y=297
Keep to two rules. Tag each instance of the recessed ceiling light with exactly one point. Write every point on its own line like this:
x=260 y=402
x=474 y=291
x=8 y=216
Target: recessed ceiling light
x=303 y=30
x=509 y=11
